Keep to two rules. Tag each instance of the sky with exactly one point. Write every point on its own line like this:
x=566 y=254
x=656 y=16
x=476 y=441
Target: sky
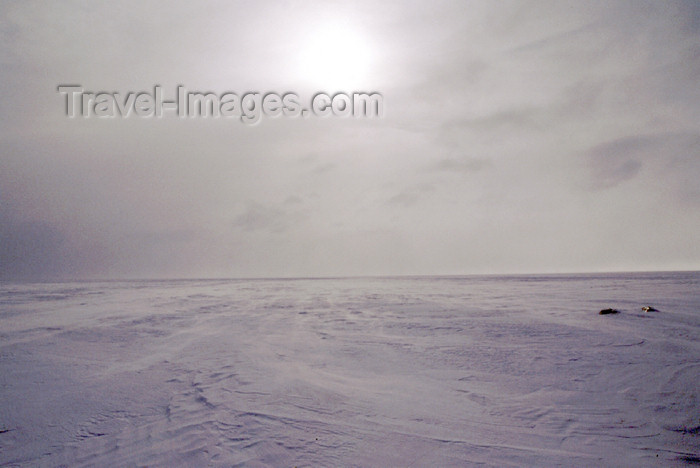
x=516 y=137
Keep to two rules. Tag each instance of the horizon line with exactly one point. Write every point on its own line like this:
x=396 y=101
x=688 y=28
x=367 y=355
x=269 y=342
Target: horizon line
x=333 y=277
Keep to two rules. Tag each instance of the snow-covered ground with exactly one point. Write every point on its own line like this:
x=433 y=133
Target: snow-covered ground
x=410 y=372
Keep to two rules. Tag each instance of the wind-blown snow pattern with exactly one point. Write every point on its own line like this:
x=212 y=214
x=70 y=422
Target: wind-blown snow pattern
x=368 y=372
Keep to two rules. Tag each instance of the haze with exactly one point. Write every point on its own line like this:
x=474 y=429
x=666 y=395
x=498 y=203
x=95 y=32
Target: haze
x=517 y=137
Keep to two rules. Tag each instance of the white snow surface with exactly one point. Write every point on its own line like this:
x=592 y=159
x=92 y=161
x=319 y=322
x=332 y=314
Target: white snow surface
x=371 y=372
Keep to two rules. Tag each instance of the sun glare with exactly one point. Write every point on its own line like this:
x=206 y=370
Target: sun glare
x=335 y=57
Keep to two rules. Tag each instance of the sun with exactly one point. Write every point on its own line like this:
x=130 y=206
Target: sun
x=335 y=57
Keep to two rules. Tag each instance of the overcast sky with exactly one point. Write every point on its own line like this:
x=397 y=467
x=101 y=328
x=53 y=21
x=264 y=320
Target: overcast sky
x=518 y=136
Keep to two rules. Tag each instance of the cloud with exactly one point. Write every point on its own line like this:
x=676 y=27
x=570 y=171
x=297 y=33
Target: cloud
x=293 y=200
x=412 y=195
x=30 y=250
x=463 y=165
x=672 y=158
x=509 y=128
x=258 y=217
x=616 y=161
